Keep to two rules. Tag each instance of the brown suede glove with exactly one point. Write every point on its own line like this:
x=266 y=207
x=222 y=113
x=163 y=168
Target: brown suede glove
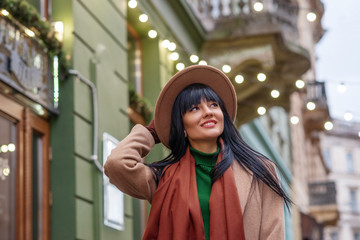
x=151 y=128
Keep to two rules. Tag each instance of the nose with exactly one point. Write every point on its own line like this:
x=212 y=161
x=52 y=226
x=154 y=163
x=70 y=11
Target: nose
x=207 y=111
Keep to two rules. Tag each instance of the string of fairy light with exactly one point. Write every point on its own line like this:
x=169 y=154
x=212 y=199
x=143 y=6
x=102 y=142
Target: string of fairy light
x=174 y=55
x=342 y=88
x=311 y=106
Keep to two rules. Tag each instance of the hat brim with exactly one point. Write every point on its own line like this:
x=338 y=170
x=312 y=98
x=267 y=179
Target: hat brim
x=203 y=74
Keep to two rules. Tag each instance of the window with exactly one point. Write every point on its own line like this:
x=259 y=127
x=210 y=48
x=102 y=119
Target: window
x=334 y=236
x=135 y=76
x=134 y=60
x=350 y=162
x=327 y=157
x=356 y=236
x=353 y=200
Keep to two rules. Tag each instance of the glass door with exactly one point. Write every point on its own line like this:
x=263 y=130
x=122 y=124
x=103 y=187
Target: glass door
x=8 y=152
x=24 y=173
x=11 y=157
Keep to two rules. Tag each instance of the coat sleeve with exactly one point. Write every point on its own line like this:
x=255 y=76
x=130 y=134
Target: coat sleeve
x=273 y=218
x=125 y=167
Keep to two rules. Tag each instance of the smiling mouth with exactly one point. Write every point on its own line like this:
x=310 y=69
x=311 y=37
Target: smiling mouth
x=208 y=124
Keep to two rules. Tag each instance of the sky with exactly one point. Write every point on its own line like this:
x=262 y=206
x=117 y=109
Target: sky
x=338 y=57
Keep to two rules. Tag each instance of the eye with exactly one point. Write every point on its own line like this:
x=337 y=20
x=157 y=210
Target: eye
x=214 y=104
x=193 y=108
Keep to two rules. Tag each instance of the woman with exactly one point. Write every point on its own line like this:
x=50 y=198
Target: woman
x=212 y=185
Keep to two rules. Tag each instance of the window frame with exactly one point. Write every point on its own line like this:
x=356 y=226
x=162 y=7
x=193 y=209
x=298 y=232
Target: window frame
x=353 y=200
x=350 y=164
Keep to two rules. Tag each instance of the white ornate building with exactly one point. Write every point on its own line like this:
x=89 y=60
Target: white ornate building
x=341 y=150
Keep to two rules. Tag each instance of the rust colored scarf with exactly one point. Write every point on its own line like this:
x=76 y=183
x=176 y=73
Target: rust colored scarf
x=175 y=212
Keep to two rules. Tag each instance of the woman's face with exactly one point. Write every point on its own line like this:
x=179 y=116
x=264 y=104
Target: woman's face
x=204 y=123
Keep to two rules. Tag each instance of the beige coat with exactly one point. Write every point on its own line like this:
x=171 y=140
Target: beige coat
x=263 y=209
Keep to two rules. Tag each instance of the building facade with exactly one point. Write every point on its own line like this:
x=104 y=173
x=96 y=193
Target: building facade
x=66 y=102
x=341 y=149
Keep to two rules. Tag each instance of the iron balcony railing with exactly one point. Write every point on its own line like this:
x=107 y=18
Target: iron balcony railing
x=25 y=65
x=246 y=13
x=322 y=193
x=316 y=92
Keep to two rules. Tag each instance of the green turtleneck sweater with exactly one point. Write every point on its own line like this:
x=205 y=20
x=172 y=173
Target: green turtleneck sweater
x=204 y=163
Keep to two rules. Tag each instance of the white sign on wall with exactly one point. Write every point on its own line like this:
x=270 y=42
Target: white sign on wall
x=113 y=197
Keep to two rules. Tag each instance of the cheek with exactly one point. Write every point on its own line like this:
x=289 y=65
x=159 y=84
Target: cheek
x=187 y=122
x=221 y=121
x=222 y=126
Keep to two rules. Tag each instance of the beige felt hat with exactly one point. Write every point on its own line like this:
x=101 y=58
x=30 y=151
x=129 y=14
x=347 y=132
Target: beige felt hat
x=204 y=74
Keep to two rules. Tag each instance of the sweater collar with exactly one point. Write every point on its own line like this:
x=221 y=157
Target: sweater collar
x=201 y=158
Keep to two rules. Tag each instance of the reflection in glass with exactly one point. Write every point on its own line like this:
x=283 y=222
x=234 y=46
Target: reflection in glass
x=37 y=180
x=7 y=179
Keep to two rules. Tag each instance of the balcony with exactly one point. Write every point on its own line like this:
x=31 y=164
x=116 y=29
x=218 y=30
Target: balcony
x=254 y=39
x=314 y=119
x=318 y=7
x=26 y=70
x=323 y=202
x=234 y=18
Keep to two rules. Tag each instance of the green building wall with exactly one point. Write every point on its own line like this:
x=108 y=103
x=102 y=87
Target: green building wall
x=95 y=38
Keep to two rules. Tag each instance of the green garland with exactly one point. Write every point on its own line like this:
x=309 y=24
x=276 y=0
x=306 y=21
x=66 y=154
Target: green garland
x=27 y=15
x=140 y=104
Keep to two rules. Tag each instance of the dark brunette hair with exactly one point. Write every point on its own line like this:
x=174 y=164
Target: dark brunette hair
x=235 y=148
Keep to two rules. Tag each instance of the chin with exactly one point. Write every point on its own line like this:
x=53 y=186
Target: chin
x=212 y=136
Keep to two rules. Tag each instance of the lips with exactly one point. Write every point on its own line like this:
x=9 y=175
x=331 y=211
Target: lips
x=209 y=123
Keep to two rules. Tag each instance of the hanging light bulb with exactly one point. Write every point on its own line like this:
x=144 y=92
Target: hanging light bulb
x=341 y=88
x=310 y=106
x=174 y=56
x=194 y=58
x=328 y=125
x=226 y=68
x=202 y=62
x=59 y=30
x=258 y=6
x=180 y=66
x=29 y=32
x=261 y=77
x=172 y=46
x=261 y=110
x=4 y=148
x=143 y=17
x=275 y=93
x=348 y=116
x=294 y=120
x=300 y=84
x=132 y=4
x=4 y=12
x=165 y=43
x=239 y=79
x=6 y=171
x=311 y=16
x=152 y=34
x=11 y=147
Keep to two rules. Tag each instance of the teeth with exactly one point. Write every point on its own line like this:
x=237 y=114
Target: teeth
x=209 y=123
